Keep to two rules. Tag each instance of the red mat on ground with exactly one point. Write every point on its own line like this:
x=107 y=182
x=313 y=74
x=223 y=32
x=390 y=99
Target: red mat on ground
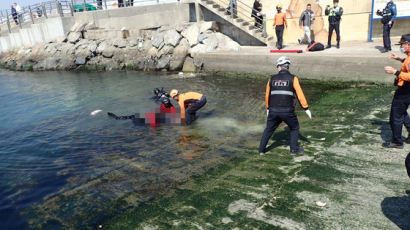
x=286 y=51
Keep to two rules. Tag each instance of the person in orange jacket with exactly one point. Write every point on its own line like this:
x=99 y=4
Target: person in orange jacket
x=401 y=99
x=280 y=104
x=189 y=104
x=279 y=23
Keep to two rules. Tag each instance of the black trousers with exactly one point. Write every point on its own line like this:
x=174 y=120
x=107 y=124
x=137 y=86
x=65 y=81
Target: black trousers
x=279 y=35
x=336 y=27
x=399 y=116
x=386 y=36
x=273 y=121
x=190 y=112
x=258 y=22
x=121 y=3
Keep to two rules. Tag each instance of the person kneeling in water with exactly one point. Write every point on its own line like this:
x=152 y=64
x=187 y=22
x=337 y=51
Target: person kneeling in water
x=189 y=103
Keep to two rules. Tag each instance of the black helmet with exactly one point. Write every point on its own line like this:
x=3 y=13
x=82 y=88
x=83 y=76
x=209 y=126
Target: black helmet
x=405 y=38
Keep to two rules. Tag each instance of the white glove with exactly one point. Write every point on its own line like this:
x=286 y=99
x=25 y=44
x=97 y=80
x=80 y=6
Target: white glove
x=308 y=113
x=267 y=112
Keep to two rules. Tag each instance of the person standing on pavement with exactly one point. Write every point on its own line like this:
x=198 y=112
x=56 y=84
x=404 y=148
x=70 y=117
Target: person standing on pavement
x=306 y=20
x=19 y=12
x=280 y=104
x=279 y=23
x=256 y=13
x=335 y=15
x=14 y=14
x=388 y=14
x=401 y=99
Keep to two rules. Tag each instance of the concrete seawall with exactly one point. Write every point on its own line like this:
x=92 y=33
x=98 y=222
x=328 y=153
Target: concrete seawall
x=358 y=61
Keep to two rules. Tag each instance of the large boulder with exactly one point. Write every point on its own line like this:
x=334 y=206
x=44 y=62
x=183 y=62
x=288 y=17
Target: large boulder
x=108 y=52
x=158 y=40
x=172 y=37
x=152 y=52
x=163 y=62
x=208 y=26
x=120 y=43
x=189 y=65
x=200 y=48
x=74 y=37
x=179 y=55
x=226 y=43
x=191 y=34
x=211 y=42
x=102 y=46
x=165 y=50
x=80 y=61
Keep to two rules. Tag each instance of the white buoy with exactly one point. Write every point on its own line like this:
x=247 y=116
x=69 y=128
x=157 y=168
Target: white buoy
x=181 y=73
x=93 y=113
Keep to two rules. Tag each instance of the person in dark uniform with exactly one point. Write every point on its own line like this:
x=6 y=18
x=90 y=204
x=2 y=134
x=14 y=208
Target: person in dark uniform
x=388 y=14
x=256 y=13
x=335 y=15
x=280 y=104
x=401 y=99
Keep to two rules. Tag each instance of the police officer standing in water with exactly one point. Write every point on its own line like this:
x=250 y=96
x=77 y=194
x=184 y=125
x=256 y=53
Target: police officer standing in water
x=335 y=15
x=401 y=99
x=280 y=104
x=388 y=15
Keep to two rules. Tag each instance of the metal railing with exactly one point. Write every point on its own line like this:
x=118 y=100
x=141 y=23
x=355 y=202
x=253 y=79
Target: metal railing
x=29 y=14
x=243 y=11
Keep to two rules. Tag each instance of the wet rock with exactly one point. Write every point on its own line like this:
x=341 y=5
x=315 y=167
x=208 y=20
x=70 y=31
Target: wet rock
x=163 y=62
x=74 y=37
x=46 y=64
x=199 y=63
x=179 y=55
x=188 y=65
x=66 y=63
x=172 y=37
x=191 y=34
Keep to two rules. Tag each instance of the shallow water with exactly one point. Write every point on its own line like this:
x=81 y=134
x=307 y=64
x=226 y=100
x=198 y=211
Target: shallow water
x=60 y=167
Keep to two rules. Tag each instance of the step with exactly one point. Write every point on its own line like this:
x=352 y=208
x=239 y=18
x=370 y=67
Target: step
x=245 y=23
x=215 y=6
x=209 y=2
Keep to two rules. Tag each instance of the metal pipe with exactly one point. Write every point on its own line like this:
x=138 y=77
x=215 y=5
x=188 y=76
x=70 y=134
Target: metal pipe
x=371 y=23
x=84 y=6
x=31 y=14
x=43 y=7
x=105 y=4
x=8 y=21
x=264 y=33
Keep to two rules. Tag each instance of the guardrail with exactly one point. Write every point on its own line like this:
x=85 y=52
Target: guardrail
x=239 y=9
x=64 y=8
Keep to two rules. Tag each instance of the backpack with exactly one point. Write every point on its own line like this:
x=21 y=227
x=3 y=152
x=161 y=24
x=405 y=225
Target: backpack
x=315 y=46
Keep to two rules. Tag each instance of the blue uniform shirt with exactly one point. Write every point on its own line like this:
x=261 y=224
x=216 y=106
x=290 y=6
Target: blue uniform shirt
x=391 y=9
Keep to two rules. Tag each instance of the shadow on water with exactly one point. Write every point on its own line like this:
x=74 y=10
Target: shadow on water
x=384 y=128
x=397 y=209
x=282 y=138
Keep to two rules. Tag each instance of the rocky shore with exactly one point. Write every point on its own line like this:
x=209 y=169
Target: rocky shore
x=168 y=48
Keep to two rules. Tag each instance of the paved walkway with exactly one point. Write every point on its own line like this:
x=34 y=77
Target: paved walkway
x=354 y=61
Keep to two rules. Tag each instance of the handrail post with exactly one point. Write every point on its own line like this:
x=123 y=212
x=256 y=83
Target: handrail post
x=231 y=8
x=43 y=7
x=59 y=8
x=105 y=4
x=71 y=9
x=264 y=33
x=8 y=21
x=31 y=14
x=84 y=6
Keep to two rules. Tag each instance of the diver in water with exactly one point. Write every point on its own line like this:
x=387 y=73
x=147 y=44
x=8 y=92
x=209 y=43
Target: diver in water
x=189 y=104
x=158 y=116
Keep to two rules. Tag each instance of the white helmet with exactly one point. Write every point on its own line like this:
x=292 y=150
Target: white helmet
x=282 y=61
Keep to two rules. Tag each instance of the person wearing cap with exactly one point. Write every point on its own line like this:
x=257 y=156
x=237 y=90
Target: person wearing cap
x=189 y=104
x=280 y=104
x=388 y=14
x=279 y=23
x=401 y=99
x=335 y=15
x=306 y=20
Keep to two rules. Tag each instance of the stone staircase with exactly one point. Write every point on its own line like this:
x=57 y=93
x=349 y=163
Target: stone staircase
x=241 y=22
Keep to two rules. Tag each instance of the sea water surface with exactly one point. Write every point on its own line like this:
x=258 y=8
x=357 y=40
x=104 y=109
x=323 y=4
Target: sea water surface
x=62 y=167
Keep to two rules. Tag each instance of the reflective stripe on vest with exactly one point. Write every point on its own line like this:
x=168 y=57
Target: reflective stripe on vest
x=282 y=92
